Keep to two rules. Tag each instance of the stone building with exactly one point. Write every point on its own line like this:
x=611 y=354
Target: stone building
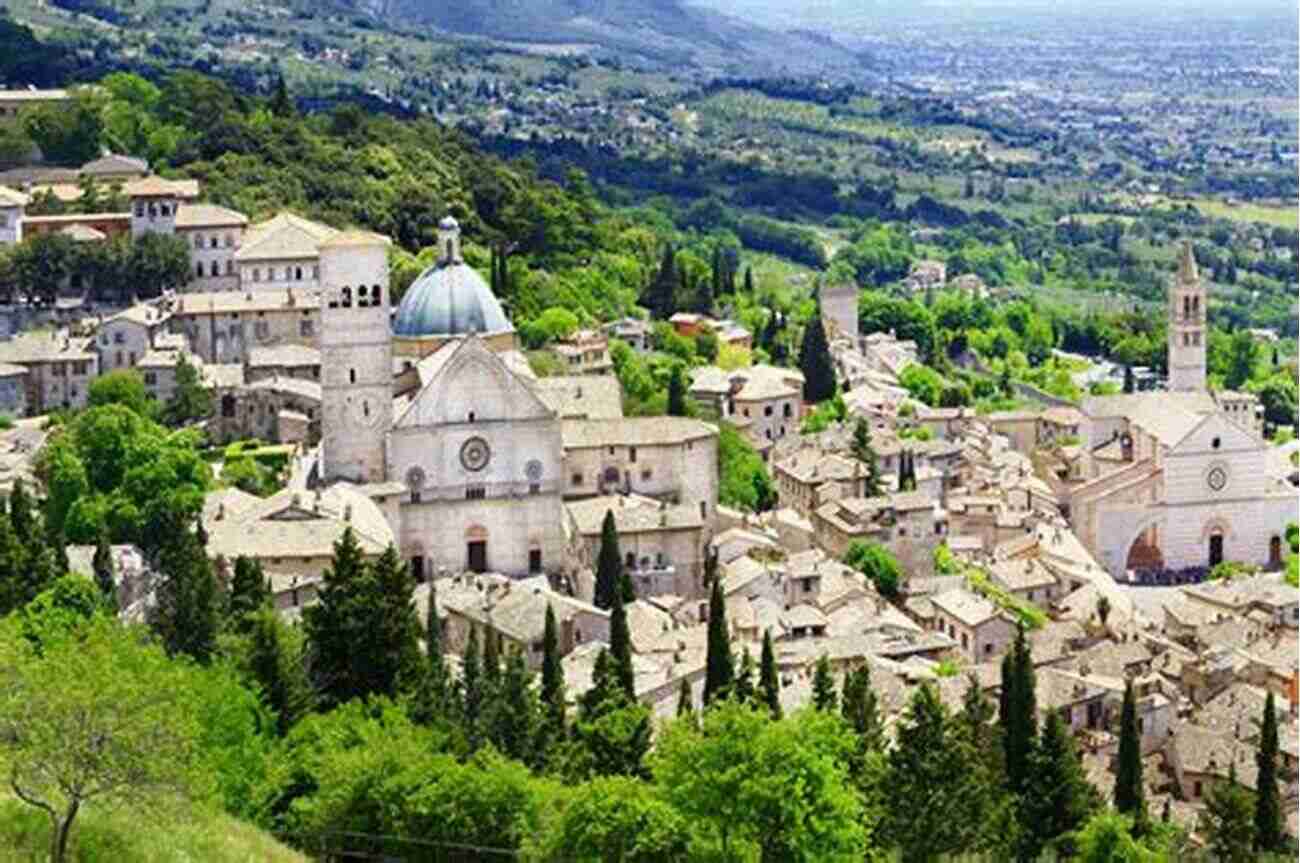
x=223 y=326
x=671 y=458
x=584 y=352
x=123 y=339
x=983 y=631
x=663 y=544
x=214 y=236
x=765 y=402
x=12 y=210
x=840 y=311
x=809 y=478
x=282 y=253
x=283 y=361
x=13 y=390
x=908 y=524
x=60 y=368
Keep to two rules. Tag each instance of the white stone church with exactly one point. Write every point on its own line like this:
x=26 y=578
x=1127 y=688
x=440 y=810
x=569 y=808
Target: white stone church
x=1180 y=479
x=434 y=413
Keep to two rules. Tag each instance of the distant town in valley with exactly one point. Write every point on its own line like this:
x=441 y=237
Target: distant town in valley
x=652 y=431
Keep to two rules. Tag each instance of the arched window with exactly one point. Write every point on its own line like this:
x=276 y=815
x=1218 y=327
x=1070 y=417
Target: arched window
x=376 y=294
x=215 y=269
x=212 y=241
x=153 y=210
x=362 y=300
x=198 y=269
x=297 y=274
x=352 y=376
x=347 y=298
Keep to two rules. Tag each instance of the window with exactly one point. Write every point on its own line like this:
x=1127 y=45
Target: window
x=767 y=411
x=417 y=567
x=1216 y=443
x=535 y=488
x=198 y=269
x=704 y=509
x=198 y=241
x=576 y=479
x=471 y=416
x=214 y=269
x=305 y=329
x=475 y=492
x=631 y=453
x=119 y=338
x=262 y=329
x=1196 y=788
x=212 y=242
x=363 y=299
x=535 y=560
x=297 y=274
x=376 y=295
x=151 y=378
x=964 y=642
x=787 y=411
x=118 y=358
x=645 y=475
x=347 y=298
x=257 y=274
x=352 y=376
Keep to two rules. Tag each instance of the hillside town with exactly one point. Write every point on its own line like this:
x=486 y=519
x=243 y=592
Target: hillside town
x=1099 y=532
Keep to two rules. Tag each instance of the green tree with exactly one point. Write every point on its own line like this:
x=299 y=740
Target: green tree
x=276 y=662
x=861 y=709
x=95 y=717
x=363 y=632
x=102 y=564
x=865 y=453
x=1018 y=714
x=513 y=712
x=1229 y=820
x=434 y=696
x=744 y=690
x=612 y=734
x=191 y=400
x=1268 y=812
x=554 y=703
x=719 y=671
x=157 y=262
x=824 y=697
x=609 y=565
x=1057 y=799
x=68 y=133
x=877 y=564
x=124 y=387
x=685 y=701
x=661 y=297
x=620 y=648
x=615 y=818
x=759 y=789
x=1108 y=838
x=20 y=509
x=815 y=361
x=1130 y=798
x=676 y=392
x=186 y=615
x=472 y=689
x=250 y=589
x=769 y=681
x=1242 y=356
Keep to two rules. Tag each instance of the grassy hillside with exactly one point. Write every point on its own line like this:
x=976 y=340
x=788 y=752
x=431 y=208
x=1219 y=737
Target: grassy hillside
x=140 y=837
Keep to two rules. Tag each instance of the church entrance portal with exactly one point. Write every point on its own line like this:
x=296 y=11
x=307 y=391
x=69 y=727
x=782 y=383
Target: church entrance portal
x=476 y=552
x=1216 y=549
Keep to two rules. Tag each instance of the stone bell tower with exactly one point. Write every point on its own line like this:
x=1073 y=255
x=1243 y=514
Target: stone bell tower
x=356 y=357
x=1187 y=328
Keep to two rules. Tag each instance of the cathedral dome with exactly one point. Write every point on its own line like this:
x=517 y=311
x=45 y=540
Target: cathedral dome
x=449 y=299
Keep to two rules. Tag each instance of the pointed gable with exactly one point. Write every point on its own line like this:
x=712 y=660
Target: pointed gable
x=1216 y=433
x=464 y=381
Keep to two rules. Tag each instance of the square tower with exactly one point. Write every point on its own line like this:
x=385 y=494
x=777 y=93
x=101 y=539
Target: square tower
x=1187 y=329
x=356 y=357
x=153 y=206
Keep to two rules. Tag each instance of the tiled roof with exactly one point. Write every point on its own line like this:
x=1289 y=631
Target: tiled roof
x=310 y=390
x=632 y=514
x=208 y=216
x=37 y=347
x=151 y=187
x=285 y=236
x=634 y=431
x=295 y=523
x=581 y=396
x=1206 y=752
x=283 y=356
x=966 y=607
x=226 y=302
x=115 y=163
x=1025 y=574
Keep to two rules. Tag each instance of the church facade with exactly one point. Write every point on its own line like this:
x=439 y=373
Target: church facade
x=1179 y=480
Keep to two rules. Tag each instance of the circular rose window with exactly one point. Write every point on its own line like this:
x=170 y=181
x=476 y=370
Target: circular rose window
x=475 y=454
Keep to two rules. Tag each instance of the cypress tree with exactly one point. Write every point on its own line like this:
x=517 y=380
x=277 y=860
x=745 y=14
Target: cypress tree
x=185 y=616
x=250 y=589
x=1058 y=798
x=1130 y=797
x=749 y=281
x=865 y=453
x=281 y=104
x=432 y=699
x=620 y=649
x=102 y=564
x=815 y=361
x=744 y=692
x=275 y=661
x=719 y=673
x=861 y=708
x=1268 y=812
x=823 y=686
x=1230 y=827
x=661 y=299
x=553 y=697
x=491 y=661
x=20 y=511
x=13 y=566
x=514 y=710
x=676 y=392
x=768 y=679
x=1019 y=727
x=609 y=564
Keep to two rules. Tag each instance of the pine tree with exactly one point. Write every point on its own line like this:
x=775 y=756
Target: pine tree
x=676 y=392
x=1058 y=798
x=823 y=686
x=768 y=679
x=865 y=453
x=1130 y=797
x=815 y=361
x=102 y=564
x=685 y=705
x=185 y=616
x=1229 y=821
x=744 y=692
x=553 y=698
x=275 y=661
x=719 y=673
x=1020 y=723
x=250 y=589
x=1268 y=812
x=609 y=564
x=620 y=649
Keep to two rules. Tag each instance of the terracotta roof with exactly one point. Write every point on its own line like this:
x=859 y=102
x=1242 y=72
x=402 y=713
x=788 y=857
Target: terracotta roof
x=115 y=163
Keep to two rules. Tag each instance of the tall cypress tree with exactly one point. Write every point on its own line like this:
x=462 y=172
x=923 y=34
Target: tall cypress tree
x=815 y=361
x=20 y=511
x=102 y=564
x=861 y=708
x=865 y=453
x=185 y=616
x=1130 y=796
x=745 y=677
x=719 y=670
x=1058 y=798
x=769 y=682
x=491 y=661
x=471 y=676
x=250 y=589
x=1230 y=828
x=1268 y=812
x=824 y=696
x=553 y=697
x=676 y=392
x=620 y=649
x=275 y=661
x=749 y=281
x=514 y=711
x=1019 y=726
x=13 y=565
x=433 y=697
x=609 y=564
x=661 y=298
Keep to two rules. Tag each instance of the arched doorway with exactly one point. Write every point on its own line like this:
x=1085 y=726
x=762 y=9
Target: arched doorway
x=1216 y=549
x=1275 y=552
x=476 y=556
x=1144 y=554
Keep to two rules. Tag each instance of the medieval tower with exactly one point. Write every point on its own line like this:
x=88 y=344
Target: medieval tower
x=1187 y=329
x=356 y=357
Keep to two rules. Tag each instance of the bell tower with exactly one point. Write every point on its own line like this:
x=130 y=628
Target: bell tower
x=356 y=357
x=1187 y=330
